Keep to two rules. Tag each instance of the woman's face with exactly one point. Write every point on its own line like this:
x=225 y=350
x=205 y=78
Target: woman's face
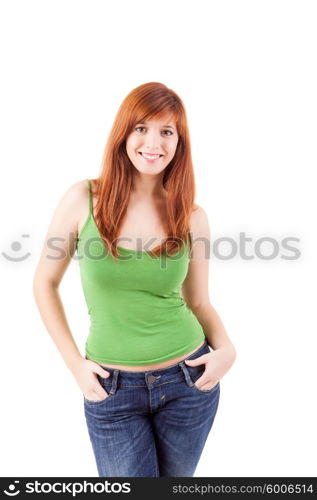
x=155 y=137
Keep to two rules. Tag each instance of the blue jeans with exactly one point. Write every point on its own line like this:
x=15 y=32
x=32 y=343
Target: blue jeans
x=153 y=423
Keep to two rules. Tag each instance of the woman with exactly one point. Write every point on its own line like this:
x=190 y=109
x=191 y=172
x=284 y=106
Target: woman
x=150 y=383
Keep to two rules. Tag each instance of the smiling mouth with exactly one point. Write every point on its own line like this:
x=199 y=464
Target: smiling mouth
x=149 y=156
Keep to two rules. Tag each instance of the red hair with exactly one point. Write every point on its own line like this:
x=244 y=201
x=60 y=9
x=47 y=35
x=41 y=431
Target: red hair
x=150 y=100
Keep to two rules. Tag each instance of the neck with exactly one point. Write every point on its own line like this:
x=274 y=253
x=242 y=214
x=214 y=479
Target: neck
x=148 y=187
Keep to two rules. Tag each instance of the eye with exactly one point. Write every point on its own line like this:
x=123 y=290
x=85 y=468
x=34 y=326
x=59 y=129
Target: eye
x=138 y=128
x=170 y=132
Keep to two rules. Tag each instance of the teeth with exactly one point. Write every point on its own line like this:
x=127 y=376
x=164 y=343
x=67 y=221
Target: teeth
x=150 y=157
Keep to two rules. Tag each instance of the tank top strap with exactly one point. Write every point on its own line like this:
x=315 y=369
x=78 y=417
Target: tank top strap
x=90 y=195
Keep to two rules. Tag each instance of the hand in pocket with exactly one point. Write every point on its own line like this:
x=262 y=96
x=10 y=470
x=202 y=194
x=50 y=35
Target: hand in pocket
x=86 y=377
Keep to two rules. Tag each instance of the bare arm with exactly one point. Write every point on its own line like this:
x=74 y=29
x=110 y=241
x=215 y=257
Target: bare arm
x=58 y=249
x=61 y=234
x=195 y=289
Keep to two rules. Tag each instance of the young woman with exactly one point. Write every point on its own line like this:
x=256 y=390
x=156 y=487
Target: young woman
x=149 y=380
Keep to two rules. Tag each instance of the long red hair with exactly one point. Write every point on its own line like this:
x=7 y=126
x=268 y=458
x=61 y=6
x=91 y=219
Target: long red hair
x=113 y=186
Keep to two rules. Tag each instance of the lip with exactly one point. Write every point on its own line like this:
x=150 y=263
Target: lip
x=150 y=160
x=140 y=152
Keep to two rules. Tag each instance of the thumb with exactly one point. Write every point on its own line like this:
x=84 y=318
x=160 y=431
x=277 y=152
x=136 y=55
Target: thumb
x=103 y=373
x=192 y=362
x=197 y=361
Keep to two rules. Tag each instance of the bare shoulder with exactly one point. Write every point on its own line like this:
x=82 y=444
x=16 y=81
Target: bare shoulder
x=77 y=189
x=199 y=223
x=64 y=226
x=77 y=194
x=73 y=203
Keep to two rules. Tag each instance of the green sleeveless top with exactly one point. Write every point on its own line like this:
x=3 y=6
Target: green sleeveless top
x=137 y=314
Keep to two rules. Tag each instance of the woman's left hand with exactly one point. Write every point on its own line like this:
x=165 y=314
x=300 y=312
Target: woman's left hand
x=217 y=363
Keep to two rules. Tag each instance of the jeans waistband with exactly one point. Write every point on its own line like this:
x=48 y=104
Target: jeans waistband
x=173 y=369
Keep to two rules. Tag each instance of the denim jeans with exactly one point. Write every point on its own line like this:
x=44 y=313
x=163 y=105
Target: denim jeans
x=153 y=423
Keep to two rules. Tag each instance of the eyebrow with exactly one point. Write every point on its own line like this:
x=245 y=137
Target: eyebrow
x=144 y=123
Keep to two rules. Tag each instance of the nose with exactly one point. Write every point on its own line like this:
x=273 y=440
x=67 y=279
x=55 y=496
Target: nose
x=152 y=141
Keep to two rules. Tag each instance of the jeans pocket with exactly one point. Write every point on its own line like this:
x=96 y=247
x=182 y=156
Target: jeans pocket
x=207 y=390
x=195 y=372
x=96 y=403
x=106 y=387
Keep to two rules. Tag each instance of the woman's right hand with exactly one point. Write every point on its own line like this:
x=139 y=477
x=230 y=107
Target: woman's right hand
x=85 y=375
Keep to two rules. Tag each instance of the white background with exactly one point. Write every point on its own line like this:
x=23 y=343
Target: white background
x=246 y=71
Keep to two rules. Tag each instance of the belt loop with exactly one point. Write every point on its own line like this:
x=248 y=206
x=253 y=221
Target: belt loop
x=186 y=373
x=114 y=381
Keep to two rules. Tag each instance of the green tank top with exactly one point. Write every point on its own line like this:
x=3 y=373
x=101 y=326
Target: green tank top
x=137 y=313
